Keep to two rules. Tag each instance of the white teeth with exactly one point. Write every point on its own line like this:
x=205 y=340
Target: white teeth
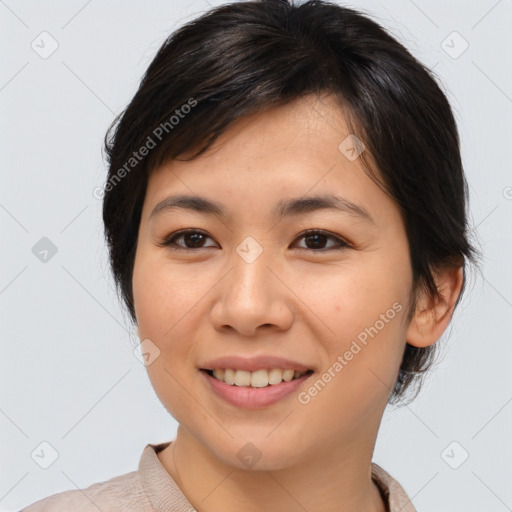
x=218 y=374
x=259 y=378
x=242 y=378
x=229 y=376
x=288 y=375
x=256 y=379
x=275 y=376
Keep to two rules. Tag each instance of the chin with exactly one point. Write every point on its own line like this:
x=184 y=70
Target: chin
x=257 y=453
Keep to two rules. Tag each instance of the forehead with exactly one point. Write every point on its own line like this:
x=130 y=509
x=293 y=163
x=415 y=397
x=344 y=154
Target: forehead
x=296 y=150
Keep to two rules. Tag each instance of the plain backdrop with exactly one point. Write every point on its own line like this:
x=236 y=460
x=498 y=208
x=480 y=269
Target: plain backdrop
x=72 y=386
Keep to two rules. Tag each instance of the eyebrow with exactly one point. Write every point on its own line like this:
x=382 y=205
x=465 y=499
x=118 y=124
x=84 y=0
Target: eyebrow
x=285 y=208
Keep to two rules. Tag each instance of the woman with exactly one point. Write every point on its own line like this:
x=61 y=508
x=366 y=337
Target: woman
x=286 y=215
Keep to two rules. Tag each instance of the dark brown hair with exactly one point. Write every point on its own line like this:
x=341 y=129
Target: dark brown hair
x=241 y=58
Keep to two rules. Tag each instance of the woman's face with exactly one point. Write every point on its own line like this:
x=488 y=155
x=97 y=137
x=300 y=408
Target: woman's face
x=249 y=283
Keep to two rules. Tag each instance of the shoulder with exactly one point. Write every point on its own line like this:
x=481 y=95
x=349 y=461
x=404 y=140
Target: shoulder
x=392 y=492
x=121 y=493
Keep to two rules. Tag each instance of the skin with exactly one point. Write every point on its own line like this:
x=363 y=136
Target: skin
x=297 y=300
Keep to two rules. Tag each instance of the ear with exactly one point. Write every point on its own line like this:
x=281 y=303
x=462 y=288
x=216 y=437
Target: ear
x=432 y=316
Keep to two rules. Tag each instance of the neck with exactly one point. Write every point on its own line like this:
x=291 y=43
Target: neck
x=339 y=478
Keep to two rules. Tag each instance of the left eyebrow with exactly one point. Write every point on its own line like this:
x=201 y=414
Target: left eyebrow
x=285 y=208
x=308 y=204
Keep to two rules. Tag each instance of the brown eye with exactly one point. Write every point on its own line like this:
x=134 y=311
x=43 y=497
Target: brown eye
x=317 y=240
x=191 y=238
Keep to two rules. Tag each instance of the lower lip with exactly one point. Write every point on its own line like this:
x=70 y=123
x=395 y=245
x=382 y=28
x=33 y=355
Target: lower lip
x=253 y=398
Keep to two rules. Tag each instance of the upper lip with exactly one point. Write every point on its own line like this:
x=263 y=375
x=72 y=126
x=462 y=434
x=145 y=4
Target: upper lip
x=251 y=364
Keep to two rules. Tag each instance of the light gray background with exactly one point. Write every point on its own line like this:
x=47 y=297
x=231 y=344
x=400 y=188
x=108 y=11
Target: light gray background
x=68 y=372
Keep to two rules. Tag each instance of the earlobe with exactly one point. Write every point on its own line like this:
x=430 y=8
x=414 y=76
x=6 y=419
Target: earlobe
x=432 y=316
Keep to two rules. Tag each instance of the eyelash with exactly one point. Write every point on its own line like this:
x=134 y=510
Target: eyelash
x=170 y=241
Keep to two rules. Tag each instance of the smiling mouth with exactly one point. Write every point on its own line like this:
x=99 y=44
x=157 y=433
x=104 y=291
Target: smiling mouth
x=257 y=379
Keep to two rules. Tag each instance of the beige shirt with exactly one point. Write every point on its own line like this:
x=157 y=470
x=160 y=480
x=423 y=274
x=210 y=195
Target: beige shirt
x=152 y=489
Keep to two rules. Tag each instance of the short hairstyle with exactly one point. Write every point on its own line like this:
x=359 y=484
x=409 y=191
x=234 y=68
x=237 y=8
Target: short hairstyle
x=242 y=58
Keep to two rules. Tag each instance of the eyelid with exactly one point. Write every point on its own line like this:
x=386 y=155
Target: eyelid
x=342 y=243
x=169 y=241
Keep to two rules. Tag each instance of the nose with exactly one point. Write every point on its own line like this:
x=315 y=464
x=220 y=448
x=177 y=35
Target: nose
x=253 y=297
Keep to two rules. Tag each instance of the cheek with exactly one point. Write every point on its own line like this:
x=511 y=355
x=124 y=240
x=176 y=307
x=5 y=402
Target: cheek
x=164 y=296
x=361 y=365
x=163 y=308
x=365 y=309
x=169 y=308
x=353 y=299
